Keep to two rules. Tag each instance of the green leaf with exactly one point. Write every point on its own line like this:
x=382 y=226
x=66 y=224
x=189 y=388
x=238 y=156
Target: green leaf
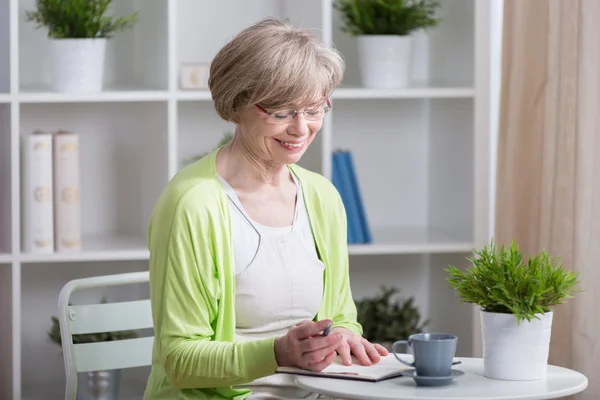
x=78 y=19
x=499 y=280
x=386 y=17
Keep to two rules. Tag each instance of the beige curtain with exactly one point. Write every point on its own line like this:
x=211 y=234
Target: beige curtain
x=548 y=182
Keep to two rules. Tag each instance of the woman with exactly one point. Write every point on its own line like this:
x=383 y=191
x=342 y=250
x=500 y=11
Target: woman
x=248 y=253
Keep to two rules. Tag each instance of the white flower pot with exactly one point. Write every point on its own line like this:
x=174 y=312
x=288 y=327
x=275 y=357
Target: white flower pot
x=515 y=352
x=77 y=64
x=384 y=61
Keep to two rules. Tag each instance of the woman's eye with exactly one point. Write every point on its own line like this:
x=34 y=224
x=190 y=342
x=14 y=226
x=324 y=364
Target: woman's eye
x=314 y=111
x=280 y=116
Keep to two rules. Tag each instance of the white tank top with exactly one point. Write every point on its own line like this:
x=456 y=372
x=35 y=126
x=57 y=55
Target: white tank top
x=279 y=282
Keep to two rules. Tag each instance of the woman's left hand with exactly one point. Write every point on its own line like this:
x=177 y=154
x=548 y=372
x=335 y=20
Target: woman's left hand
x=352 y=344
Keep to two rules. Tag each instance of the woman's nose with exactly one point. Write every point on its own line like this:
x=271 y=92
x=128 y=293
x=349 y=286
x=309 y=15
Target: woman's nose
x=299 y=125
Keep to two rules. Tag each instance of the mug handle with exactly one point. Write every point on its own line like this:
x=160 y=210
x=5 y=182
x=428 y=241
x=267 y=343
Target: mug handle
x=399 y=342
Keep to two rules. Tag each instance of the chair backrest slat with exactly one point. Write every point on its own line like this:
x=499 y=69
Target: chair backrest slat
x=100 y=318
x=118 y=354
x=109 y=317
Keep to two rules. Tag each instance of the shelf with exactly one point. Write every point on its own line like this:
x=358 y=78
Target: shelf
x=347 y=93
x=42 y=367
x=123 y=167
x=35 y=95
x=97 y=248
x=191 y=95
x=5 y=54
x=137 y=56
x=411 y=241
x=5 y=180
x=6 y=339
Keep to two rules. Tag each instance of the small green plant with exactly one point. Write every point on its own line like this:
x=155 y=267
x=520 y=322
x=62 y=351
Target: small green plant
x=385 y=321
x=499 y=280
x=54 y=334
x=386 y=17
x=78 y=19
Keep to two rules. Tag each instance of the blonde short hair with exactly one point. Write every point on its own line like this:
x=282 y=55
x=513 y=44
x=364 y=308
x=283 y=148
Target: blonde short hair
x=274 y=64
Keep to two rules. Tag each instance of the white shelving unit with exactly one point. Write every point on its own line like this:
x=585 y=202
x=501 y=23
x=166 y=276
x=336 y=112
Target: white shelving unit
x=422 y=157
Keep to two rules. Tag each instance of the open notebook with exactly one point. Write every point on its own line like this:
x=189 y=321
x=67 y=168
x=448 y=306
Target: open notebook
x=387 y=368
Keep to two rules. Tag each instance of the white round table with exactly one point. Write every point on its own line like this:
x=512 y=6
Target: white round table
x=472 y=385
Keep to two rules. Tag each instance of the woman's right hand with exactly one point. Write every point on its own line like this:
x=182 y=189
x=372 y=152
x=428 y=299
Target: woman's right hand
x=304 y=347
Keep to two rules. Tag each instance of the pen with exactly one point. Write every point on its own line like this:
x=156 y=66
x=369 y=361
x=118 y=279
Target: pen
x=326 y=330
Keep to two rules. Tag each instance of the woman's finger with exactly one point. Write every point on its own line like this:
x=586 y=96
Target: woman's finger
x=359 y=351
x=315 y=343
x=344 y=352
x=381 y=350
x=321 y=365
x=371 y=351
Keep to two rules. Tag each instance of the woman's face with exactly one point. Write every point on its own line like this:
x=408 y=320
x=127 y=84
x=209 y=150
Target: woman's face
x=277 y=139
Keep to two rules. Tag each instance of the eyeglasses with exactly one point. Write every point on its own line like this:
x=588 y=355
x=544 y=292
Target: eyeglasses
x=311 y=114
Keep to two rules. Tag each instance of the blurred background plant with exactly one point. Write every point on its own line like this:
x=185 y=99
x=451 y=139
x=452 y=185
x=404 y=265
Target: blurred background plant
x=385 y=320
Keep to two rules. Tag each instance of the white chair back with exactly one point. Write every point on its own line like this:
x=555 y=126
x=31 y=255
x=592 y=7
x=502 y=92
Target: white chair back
x=97 y=318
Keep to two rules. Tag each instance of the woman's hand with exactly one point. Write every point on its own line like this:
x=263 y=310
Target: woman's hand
x=304 y=347
x=352 y=344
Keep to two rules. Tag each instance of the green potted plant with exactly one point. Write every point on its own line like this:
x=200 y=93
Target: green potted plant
x=78 y=31
x=94 y=382
x=383 y=30
x=515 y=297
x=385 y=320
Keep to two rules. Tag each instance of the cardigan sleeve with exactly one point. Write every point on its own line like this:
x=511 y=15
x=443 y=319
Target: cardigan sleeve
x=185 y=294
x=344 y=313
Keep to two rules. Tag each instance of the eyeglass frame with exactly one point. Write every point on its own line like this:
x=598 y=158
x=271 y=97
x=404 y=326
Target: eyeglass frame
x=326 y=110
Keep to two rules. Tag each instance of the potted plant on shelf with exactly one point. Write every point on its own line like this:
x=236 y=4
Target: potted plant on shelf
x=384 y=321
x=78 y=31
x=383 y=29
x=96 y=384
x=515 y=297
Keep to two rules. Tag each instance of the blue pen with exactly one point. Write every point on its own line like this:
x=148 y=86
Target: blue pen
x=326 y=330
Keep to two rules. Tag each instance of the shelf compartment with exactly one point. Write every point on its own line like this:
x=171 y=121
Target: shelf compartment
x=415 y=240
x=5 y=54
x=5 y=180
x=98 y=248
x=117 y=94
x=6 y=348
x=445 y=56
x=123 y=168
x=42 y=367
x=414 y=163
x=137 y=57
x=201 y=32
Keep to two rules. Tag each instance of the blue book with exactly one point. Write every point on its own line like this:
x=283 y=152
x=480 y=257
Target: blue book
x=350 y=204
x=340 y=181
x=363 y=223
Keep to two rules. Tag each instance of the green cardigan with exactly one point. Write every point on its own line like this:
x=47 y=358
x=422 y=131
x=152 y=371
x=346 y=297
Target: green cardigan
x=192 y=285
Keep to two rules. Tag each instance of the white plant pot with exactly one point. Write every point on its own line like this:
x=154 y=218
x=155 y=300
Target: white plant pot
x=384 y=61
x=77 y=64
x=515 y=352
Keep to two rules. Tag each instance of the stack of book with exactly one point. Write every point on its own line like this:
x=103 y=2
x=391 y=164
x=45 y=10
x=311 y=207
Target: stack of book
x=345 y=180
x=50 y=198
